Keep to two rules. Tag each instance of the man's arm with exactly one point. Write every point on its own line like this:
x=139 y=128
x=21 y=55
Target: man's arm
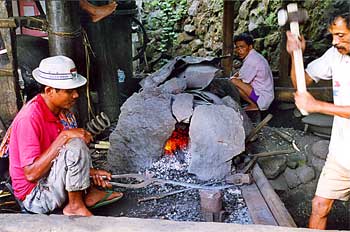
x=42 y=165
x=307 y=102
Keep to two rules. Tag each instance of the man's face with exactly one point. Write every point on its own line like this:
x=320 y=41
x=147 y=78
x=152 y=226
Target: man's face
x=242 y=49
x=341 y=36
x=64 y=98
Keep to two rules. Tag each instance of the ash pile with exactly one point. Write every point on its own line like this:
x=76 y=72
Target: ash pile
x=183 y=203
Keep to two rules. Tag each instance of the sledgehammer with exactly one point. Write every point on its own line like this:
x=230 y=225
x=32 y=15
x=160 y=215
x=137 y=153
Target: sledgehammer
x=294 y=17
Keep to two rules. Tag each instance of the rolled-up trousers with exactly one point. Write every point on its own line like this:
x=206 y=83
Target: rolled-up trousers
x=70 y=172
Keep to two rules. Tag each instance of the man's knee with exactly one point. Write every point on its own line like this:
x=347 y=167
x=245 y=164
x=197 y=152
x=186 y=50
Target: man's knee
x=77 y=145
x=321 y=206
x=78 y=163
x=77 y=152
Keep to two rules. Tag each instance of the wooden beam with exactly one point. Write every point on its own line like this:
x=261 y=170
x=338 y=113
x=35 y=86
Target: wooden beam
x=6 y=72
x=258 y=209
x=8 y=23
x=286 y=94
x=275 y=204
x=227 y=30
x=9 y=88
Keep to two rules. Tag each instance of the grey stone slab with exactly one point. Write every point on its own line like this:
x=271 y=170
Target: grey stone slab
x=247 y=124
x=199 y=76
x=183 y=107
x=216 y=135
x=173 y=68
x=145 y=124
x=174 y=86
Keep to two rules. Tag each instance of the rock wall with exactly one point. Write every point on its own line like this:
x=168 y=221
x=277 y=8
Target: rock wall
x=200 y=31
x=294 y=176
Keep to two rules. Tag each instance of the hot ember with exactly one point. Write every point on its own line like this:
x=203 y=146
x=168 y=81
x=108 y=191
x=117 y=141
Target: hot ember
x=178 y=140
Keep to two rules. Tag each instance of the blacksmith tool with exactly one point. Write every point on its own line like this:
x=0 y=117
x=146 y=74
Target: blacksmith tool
x=294 y=16
x=287 y=138
x=239 y=179
x=145 y=180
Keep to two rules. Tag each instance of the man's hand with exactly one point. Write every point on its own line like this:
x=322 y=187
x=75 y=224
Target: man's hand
x=305 y=101
x=294 y=43
x=101 y=178
x=78 y=133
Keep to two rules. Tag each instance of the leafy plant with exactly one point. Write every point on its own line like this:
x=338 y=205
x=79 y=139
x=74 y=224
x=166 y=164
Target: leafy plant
x=169 y=14
x=271 y=20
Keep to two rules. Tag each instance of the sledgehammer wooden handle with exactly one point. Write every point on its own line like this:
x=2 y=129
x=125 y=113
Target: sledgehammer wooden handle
x=298 y=56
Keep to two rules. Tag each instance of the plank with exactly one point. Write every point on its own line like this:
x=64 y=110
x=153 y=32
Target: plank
x=275 y=204
x=258 y=209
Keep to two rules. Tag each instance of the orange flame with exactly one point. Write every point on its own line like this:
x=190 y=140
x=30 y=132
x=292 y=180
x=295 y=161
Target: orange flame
x=177 y=141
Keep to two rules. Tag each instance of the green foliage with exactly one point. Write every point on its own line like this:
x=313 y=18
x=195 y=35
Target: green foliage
x=271 y=21
x=169 y=14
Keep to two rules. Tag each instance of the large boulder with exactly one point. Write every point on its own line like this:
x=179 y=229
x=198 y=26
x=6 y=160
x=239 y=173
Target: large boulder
x=216 y=135
x=145 y=124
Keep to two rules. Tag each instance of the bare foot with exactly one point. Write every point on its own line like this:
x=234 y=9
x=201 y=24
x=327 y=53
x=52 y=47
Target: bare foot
x=101 y=12
x=94 y=195
x=251 y=108
x=74 y=210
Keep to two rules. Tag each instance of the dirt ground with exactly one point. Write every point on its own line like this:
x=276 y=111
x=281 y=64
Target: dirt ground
x=297 y=201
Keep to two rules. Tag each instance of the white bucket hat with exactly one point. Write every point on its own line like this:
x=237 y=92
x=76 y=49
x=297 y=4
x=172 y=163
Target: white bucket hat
x=58 y=72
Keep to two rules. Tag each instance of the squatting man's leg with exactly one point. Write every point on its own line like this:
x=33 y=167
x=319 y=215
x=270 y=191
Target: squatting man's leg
x=244 y=91
x=69 y=183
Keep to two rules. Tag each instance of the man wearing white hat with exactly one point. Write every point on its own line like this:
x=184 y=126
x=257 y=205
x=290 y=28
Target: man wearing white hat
x=50 y=166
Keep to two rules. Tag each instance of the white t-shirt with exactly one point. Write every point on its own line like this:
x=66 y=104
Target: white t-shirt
x=336 y=67
x=256 y=72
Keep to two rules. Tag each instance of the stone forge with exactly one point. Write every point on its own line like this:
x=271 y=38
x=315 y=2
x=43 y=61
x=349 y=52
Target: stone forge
x=186 y=90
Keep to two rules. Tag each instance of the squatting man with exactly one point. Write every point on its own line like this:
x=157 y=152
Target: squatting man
x=50 y=165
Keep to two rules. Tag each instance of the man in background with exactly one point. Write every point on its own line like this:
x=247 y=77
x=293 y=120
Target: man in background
x=254 y=80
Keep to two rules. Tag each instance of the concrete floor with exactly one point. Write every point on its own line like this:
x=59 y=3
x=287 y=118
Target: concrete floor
x=60 y=223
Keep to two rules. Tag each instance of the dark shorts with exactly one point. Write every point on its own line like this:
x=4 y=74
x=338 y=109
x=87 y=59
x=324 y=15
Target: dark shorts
x=253 y=96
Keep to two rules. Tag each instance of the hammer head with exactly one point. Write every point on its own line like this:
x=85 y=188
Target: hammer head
x=285 y=16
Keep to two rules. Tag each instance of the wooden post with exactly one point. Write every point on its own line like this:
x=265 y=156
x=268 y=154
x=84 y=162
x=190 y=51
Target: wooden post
x=227 y=30
x=9 y=91
x=65 y=38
